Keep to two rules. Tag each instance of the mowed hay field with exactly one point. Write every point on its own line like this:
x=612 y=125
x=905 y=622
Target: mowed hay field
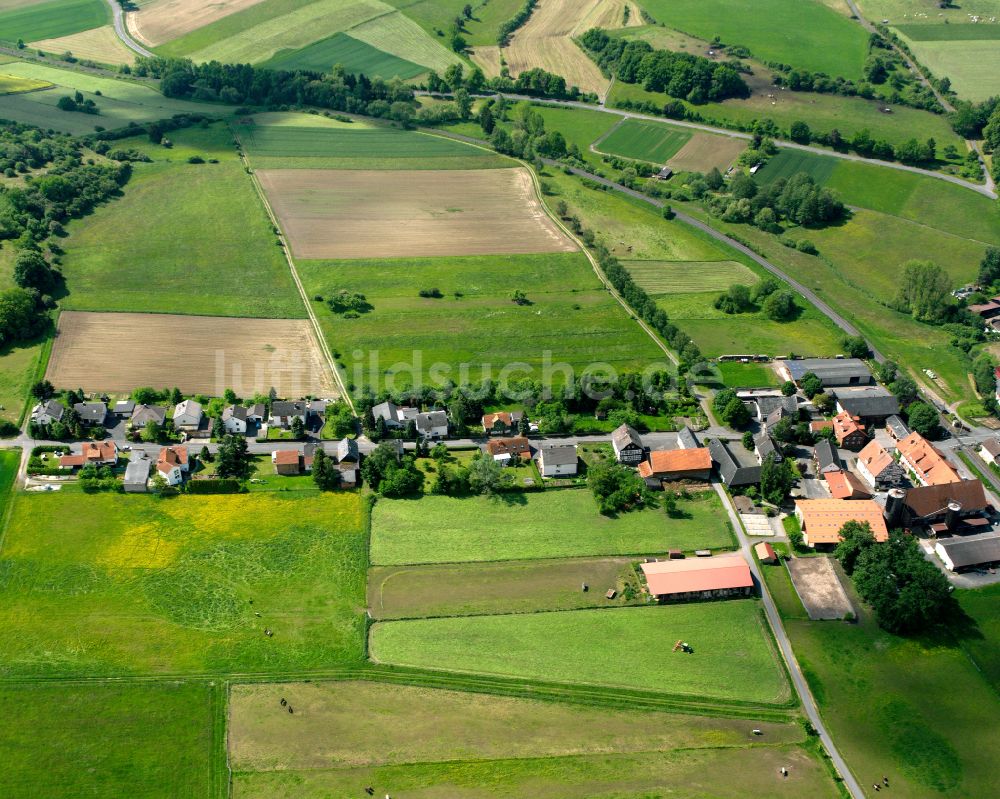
x=198 y=354
x=97 y=44
x=159 y=21
x=409 y=592
x=545 y=40
x=475 y=325
x=115 y=584
x=645 y=141
x=549 y=524
x=468 y=745
x=103 y=739
x=733 y=660
x=383 y=214
x=681 y=277
x=969 y=55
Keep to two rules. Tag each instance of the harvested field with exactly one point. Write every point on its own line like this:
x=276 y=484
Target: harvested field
x=97 y=44
x=704 y=151
x=198 y=354
x=347 y=724
x=681 y=277
x=546 y=40
x=819 y=588
x=164 y=20
x=400 y=592
x=381 y=214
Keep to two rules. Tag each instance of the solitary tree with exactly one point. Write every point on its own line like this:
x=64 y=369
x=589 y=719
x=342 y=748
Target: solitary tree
x=325 y=473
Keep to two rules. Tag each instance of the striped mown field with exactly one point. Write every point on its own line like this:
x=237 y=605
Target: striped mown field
x=684 y=277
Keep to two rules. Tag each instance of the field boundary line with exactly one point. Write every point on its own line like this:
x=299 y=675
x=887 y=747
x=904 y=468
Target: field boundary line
x=317 y=330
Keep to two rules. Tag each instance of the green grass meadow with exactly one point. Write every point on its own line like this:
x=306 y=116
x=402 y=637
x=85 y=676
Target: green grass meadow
x=117 y=585
x=733 y=657
x=556 y=523
x=802 y=33
x=354 y=55
x=682 y=277
x=161 y=740
x=52 y=19
x=645 y=141
x=570 y=319
x=969 y=55
x=186 y=239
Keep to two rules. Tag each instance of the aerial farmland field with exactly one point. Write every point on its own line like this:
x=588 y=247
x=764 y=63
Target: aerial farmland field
x=47 y=20
x=682 y=277
x=645 y=141
x=550 y=524
x=382 y=214
x=353 y=54
x=96 y=44
x=172 y=583
x=733 y=656
x=159 y=21
x=198 y=354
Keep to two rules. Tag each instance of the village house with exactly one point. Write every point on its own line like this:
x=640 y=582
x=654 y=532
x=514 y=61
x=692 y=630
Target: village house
x=142 y=415
x=123 y=409
x=827 y=458
x=989 y=451
x=878 y=468
x=974 y=552
x=48 y=412
x=686 y=439
x=432 y=424
x=92 y=453
x=896 y=428
x=283 y=413
x=137 y=473
x=257 y=413
x=670 y=465
x=234 y=419
x=821 y=519
x=502 y=423
x=818 y=426
x=832 y=372
x=347 y=451
x=718 y=577
x=505 y=450
x=772 y=412
x=733 y=473
x=187 y=416
x=429 y=424
x=172 y=464
x=844 y=485
x=945 y=507
x=392 y=415
x=557 y=460
x=873 y=405
x=924 y=461
x=627 y=444
x=764 y=447
x=849 y=432
x=91 y=413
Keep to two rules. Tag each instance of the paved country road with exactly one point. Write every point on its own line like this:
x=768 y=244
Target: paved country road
x=121 y=30
x=801 y=686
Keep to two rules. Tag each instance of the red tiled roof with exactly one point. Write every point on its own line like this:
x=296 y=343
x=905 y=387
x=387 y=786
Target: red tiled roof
x=844 y=485
x=286 y=457
x=823 y=518
x=765 y=551
x=673 y=461
x=698 y=574
x=518 y=445
x=929 y=464
x=844 y=425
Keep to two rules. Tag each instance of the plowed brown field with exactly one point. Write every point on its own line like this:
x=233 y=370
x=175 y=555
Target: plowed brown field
x=385 y=214
x=117 y=352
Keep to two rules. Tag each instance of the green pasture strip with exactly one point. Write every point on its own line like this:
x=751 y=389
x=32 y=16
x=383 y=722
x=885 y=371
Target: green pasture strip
x=52 y=20
x=681 y=277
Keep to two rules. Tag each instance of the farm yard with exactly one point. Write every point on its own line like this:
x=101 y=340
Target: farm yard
x=733 y=658
x=198 y=354
x=551 y=524
x=111 y=584
x=112 y=739
x=475 y=323
x=382 y=214
x=400 y=592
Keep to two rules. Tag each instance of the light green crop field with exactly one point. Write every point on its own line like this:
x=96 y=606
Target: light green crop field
x=120 y=101
x=822 y=112
x=790 y=162
x=52 y=20
x=10 y=84
x=185 y=238
x=570 y=318
x=550 y=524
x=751 y=375
x=733 y=657
x=323 y=147
x=400 y=36
x=717 y=333
x=683 y=277
x=409 y=592
x=18 y=364
x=645 y=141
x=803 y=33
x=969 y=55
x=353 y=54
x=154 y=740
x=113 y=584
x=10 y=459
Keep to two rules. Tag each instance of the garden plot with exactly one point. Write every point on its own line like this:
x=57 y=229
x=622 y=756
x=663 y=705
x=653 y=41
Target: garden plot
x=117 y=352
x=381 y=214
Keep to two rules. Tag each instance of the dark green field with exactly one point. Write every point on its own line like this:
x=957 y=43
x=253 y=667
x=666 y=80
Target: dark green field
x=52 y=20
x=790 y=162
x=354 y=55
x=151 y=740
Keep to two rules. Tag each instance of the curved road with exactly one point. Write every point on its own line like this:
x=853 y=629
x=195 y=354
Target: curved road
x=121 y=30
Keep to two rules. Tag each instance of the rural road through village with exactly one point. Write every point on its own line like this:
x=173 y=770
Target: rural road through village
x=121 y=30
